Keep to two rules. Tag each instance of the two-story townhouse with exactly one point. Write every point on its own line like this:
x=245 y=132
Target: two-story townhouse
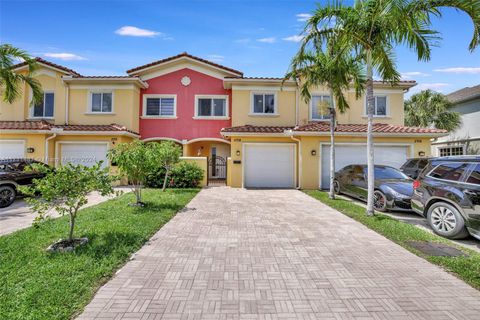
x=279 y=140
x=78 y=121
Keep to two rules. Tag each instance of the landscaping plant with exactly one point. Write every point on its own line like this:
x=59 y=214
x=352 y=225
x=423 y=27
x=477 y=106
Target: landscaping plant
x=169 y=156
x=185 y=175
x=65 y=190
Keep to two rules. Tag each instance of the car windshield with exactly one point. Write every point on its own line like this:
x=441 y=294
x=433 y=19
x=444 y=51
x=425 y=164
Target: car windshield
x=5 y=167
x=382 y=173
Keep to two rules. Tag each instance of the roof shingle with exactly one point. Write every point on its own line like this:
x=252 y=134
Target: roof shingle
x=184 y=54
x=464 y=94
x=48 y=63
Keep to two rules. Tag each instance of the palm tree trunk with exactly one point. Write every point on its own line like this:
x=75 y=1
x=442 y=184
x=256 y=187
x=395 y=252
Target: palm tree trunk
x=332 y=146
x=370 y=148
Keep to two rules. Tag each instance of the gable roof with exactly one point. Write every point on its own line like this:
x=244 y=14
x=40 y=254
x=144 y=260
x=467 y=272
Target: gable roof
x=180 y=56
x=464 y=94
x=48 y=64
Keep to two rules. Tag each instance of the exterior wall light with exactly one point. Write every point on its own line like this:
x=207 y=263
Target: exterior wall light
x=238 y=153
x=421 y=153
x=313 y=152
x=30 y=150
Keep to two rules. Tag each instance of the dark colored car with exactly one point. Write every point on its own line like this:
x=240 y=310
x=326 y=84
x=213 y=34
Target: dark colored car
x=414 y=166
x=393 y=189
x=447 y=193
x=13 y=174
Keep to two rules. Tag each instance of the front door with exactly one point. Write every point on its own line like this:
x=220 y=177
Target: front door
x=217 y=164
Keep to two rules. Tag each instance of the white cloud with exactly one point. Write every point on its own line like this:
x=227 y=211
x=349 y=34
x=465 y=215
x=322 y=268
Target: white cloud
x=267 y=40
x=215 y=57
x=413 y=74
x=460 y=70
x=137 y=32
x=64 y=56
x=303 y=16
x=438 y=86
x=295 y=38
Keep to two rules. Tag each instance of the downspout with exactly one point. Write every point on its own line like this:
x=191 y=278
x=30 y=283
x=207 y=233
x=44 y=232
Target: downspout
x=290 y=133
x=46 y=146
x=67 y=94
x=297 y=98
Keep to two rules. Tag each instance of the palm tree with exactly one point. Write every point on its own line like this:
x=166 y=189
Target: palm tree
x=11 y=81
x=335 y=70
x=429 y=108
x=372 y=29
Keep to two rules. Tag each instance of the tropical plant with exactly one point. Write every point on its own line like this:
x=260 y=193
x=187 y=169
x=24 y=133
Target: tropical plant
x=335 y=69
x=168 y=156
x=429 y=108
x=65 y=190
x=182 y=175
x=372 y=29
x=11 y=81
x=135 y=161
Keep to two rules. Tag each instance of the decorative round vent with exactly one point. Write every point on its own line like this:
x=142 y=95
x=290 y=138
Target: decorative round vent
x=186 y=81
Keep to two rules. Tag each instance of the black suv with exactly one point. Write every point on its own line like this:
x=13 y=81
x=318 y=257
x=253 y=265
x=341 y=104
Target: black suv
x=414 y=166
x=447 y=193
x=12 y=174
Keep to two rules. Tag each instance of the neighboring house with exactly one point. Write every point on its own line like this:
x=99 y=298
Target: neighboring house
x=256 y=132
x=466 y=139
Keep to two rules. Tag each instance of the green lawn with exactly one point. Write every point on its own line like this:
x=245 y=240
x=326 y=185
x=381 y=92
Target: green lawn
x=466 y=268
x=38 y=285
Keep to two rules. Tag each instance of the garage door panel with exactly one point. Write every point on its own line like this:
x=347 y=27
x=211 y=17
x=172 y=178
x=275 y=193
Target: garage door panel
x=269 y=166
x=12 y=149
x=84 y=153
x=345 y=155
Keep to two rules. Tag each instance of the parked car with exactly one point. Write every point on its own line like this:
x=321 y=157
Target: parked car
x=413 y=167
x=393 y=189
x=13 y=174
x=447 y=193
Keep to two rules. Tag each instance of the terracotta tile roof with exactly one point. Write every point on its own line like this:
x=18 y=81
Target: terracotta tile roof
x=48 y=63
x=257 y=129
x=464 y=94
x=107 y=77
x=184 y=54
x=44 y=125
x=359 y=128
x=256 y=78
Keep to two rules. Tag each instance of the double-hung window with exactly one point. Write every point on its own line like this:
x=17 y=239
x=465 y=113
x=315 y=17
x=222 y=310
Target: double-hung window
x=379 y=106
x=211 y=107
x=44 y=109
x=320 y=107
x=101 y=102
x=161 y=106
x=264 y=103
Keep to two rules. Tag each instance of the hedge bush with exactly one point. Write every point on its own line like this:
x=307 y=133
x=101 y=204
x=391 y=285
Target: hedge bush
x=183 y=175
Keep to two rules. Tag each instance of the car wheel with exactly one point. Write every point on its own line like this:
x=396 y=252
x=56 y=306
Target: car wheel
x=336 y=187
x=379 y=201
x=7 y=196
x=446 y=221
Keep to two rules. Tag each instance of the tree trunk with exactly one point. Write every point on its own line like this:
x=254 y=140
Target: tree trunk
x=72 y=226
x=332 y=146
x=138 y=193
x=165 y=180
x=370 y=147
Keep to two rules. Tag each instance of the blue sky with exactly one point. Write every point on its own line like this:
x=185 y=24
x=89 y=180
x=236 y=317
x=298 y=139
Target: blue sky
x=256 y=37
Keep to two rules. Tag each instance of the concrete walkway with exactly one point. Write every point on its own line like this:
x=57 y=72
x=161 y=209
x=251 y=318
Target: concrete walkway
x=19 y=216
x=276 y=254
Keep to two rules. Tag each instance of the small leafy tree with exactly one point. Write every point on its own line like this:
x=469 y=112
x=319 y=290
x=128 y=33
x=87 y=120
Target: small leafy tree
x=169 y=156
x=65 y=189
x=136 y=160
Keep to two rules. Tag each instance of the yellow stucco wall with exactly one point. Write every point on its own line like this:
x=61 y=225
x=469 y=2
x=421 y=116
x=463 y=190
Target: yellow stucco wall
x=242 y=106
x=202 y=163
x=36 y=141
x=125 y=107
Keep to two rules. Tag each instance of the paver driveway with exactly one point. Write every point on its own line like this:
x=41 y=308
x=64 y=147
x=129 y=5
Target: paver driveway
x=276 y=254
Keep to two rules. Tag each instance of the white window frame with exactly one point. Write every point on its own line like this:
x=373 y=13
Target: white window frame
x=451 y=147
x=311 y=106
x=225 y=117
x=90 y=102
x=159 y=96
x=263 y=114
x=387 y=106
x=32 y=116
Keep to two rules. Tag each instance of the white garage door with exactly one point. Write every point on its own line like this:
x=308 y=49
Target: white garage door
x=86 y=154
x=393 y=156
x=269 y=165
x=12 y=149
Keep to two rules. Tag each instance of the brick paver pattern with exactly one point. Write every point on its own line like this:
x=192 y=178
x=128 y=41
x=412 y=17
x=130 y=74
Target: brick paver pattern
x=276 y=254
